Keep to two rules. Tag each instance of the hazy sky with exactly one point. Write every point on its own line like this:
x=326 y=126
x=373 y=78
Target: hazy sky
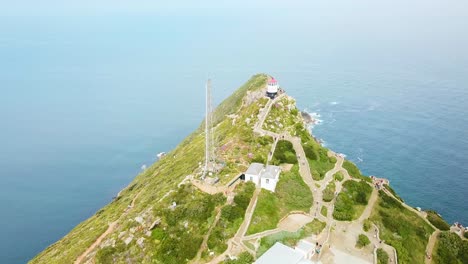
x=367 y=7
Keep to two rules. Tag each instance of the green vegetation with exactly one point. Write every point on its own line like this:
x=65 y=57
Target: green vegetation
x=162 y=177
x=318 y=159
x=290 y=238
x=315 y=227
x=465 y=234
x=266 y=215
x=338 y=176
x=437 y=220
x=450 y=248
x=185 y=224
x=329 y=192
x=291 y=194
x=324 y=211
x=105 y=254
x=382 y=256
x=243 y=258
x=366 y=225
x=283 y=116
x=231 y=218
x=362 y=241
x=401 y=228
x=392 y=191
x=354 y=171
x=284 y=153
x=232 y=104
x=352 y=200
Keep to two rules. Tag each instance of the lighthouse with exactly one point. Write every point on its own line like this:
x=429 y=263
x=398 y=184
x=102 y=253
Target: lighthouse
x=272 y=88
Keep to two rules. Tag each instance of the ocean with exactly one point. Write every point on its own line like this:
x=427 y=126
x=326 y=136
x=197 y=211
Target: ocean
x=87 y=100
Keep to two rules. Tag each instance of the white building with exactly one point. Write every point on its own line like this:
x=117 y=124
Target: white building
x=281 y=254
x=253 y=173
x=272 y=88
x=266 y=178
x=270 y=177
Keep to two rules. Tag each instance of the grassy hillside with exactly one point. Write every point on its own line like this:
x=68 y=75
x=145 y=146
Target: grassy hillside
x=291 y=194
x=450 y=248
x=352 y=200
x=153 y=184
x=401 y=228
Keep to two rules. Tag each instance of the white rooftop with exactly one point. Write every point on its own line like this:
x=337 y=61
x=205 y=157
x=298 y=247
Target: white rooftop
x=305 y=246
x=281 y=254
x=271 y=172
x=255 y=169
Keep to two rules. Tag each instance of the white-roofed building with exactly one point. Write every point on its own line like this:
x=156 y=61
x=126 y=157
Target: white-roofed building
x=270 y=177
x=253 y=173
x=281 y=254
x=306 y=248
x=266 y=178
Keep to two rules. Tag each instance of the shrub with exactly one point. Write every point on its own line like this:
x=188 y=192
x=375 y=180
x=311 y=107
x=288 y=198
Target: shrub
x=362 y=241
x=324 y=211
x=366 y=225
x=382 y=256
x=329 y=192
x=338 y=176
x=352 y=200
x=310 y=152
x=437 y=220
x=284 y=153
x=466 y=234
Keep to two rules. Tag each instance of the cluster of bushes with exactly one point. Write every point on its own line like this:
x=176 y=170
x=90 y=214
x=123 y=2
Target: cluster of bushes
x=437 y=220
x=354 y=171
x=179 y=242
x=451 y=249
x=231 y=218
x=318 y=159
x=352 y=200
x=382 y=256
x=366 y=225
x=329 y=192
x=401 y=228
x=284 y=153
x=291 y=194
x=362 y=241
x=338 y=176
x=466 y=234
x=324 y=211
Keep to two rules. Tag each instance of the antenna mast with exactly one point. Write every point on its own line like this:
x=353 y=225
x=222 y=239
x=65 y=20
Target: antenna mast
x=209 y=138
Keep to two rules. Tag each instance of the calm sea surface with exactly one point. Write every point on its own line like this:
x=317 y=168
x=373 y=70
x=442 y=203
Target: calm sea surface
x=86 y=101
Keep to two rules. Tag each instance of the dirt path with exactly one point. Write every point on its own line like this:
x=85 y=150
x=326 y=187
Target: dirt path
x=430 y=246
x=110 y=229
x=205 y=238
x=370 y=205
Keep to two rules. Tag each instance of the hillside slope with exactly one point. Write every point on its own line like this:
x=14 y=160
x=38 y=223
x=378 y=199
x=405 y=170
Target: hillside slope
x=168 y=214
